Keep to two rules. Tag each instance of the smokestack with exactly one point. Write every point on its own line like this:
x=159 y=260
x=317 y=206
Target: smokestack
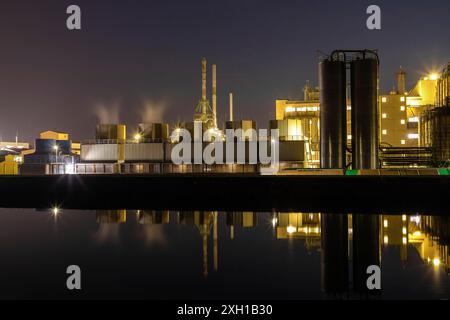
x=401 y=81
x=214 y=93
x=231 y=107
x=204 y=79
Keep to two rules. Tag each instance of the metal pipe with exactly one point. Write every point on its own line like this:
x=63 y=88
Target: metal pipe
x=231 y=107
x=204 y=79
x=214 y=93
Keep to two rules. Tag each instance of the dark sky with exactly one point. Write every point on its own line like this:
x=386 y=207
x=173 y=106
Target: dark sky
x=136 y=53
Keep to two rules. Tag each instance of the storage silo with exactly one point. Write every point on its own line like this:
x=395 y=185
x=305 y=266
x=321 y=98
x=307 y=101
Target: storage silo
x=111 y=132
x=333 y=135
x=364 y=96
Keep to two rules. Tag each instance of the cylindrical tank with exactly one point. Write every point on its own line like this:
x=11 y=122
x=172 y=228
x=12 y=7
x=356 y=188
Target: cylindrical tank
x=435 y=133
x=111 y=132
x=364 y=96
x=333 y=137
x=160 y=132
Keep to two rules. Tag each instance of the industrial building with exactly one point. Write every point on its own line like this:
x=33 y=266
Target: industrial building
x=52 y=154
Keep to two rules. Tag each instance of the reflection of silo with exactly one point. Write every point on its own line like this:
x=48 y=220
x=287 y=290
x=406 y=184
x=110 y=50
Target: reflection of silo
x=153 y=217
x=111 y=216
x=242 y=219
x=364 y=81
x=334 y=253
x=366 y=249
x=332 y=114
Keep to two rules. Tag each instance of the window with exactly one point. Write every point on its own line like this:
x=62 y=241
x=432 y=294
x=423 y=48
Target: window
x=383 y=99
x=403 y=142
x=403 y=121
x=413 y=136
x=349 y=137
x=402 y=99
x=402 y=108
x=384 y=132
x=384 y=115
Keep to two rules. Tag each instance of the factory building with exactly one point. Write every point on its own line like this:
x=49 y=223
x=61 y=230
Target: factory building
x=401 y=110
x=52 y=155
x=9 y=164
x=435 y=122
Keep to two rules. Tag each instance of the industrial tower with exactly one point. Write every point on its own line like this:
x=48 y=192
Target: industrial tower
x=204 y=112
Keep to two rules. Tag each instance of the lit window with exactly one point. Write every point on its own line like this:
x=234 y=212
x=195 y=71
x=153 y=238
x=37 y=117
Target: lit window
x=402 y=99
x=386 y=223
x=384 y=115
x=290 y=109
x=405 y=241
x=413 y=136
x=402 y=108
x=349 y=137
x=402 y=121
x=403 y=142
x=386 y=240
x=384 y=132
x=384 y=99
x=413 y=119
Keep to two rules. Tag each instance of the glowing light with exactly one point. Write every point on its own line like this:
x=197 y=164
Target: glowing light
x=405 y=241
x=415 y=219
x=402 y=99
x=403 y=121
x=436 y=262
x=404 y=231
x=137 y=137
x=291 y=229
x=402 y=108
x=384 y=116
x=413 y=119
x=434 y=76
x=386 y=240
x=384 y=132
x=55 y=211
x=417 y=234
x=404 y=218
x=413 y=136
x=383 y=99
x=403 y=142
x=386 y=223
x=55 y=147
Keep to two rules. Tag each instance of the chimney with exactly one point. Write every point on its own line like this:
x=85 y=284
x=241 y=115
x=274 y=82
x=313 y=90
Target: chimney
x=204 y=79
x=214 y=93
x=401 y=81
x=231 y=107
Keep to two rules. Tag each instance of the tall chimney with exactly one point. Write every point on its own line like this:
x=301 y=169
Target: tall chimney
x=231 y=107
x=204 y=79
x=214 y=93
x=401 y=81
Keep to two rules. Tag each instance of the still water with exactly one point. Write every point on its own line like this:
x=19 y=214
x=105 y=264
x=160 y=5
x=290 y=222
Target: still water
x=216 y=255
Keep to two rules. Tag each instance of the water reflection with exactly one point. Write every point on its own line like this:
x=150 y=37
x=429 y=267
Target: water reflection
x=331 y=250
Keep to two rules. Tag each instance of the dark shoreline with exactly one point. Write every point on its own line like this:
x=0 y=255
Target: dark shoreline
x=325 y=194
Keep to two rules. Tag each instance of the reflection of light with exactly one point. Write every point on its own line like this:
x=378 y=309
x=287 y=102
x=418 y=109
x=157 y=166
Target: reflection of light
x=405 y=241
x=417 y=234
x=55 y=211
x=415 y=219
x=137 y=137
x=386 y=240
x=404 y=217
x=274 y=222
x=70 y=169
x=436 y=262
x=404 y=231
x=291 y=229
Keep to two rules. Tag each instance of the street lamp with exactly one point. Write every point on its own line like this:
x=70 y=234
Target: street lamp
x=56 y=148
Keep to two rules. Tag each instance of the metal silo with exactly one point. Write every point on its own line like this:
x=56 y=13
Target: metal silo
x=333 y=136
x=364 y=96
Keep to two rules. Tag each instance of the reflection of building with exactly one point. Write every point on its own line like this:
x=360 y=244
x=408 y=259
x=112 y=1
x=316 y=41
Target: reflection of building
x=153 y=217
x=111 y=216
x=204 y=221
x=304 y=226
x=394 y=232
x=241 y=219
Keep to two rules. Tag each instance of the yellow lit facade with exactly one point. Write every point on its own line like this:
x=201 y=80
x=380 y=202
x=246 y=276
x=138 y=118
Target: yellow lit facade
x=400 y=113
x=55 y=135
x=10 y=165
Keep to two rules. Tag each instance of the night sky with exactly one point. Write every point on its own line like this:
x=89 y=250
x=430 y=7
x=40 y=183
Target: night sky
x=140 y=59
